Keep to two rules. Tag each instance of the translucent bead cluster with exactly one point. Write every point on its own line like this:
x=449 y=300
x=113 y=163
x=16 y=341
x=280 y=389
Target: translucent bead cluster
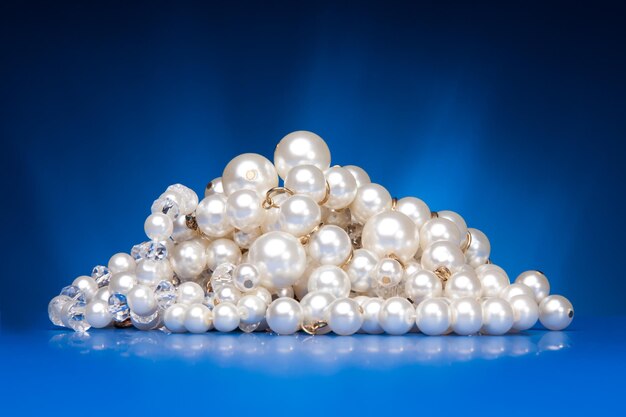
x=324 y=251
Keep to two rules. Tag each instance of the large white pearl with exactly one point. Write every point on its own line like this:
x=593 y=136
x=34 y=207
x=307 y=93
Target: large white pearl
x=371 y=310
x=479 y=250
x=174 y=318
x=342 y=187
x=190 y=293
x=359 y=175
x=211 y=216
x=87 y=285
x=251 y=309
x=497 y=316
x=301 y=148
x=536 y=281
x=330 y=245
x=225 y=317
x=280 y=258
x=151 y=271
x=493 y=279
x=359 y=269
x=284 y=316
x=249 y=171
x=467 y=316
x=188 y=259
x=389 y=233
x=516 y=289
x=331 y=279
x=142 y=301
x=198 y=318
x=222 y=251
x=555 y=312
x=158 y=226
x=299 y=215
x=396 y=316
x=455 y=218
x=307 y=180
x=370 y=200
x=244 y=210
x=314 y=306
x=97 y=314
x=181 y=232
x=433 y=316
x=421 y=285
x=344 y=316
x=121 y=262
x=415 y=209
x=442 y=254
x=122 y=282
x=463 y=284
x=525 y=312
x=439 y=229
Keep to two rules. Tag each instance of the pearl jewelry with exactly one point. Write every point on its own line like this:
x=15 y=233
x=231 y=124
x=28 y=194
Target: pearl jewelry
x=262 y=293
x=391 y=232
x=439 y=229
x=536 y=281
x=284 y=316
x=455 y=218
x=222 y=251
x=330 y=279
x=246 y=277
x=280 y=258
x=211 y=216
x=141 y=300
x=301 y=148
x=388 y=272
x=359 y=269
x=198 y=318
x=463 y=284
x=307 y=180
x=555 y=312
x=359 y=175
x=214 y=187
x=370 y=200
x=442 y=254
x=422 y=285
x=371 y=311
x=330 y=245
x=397 y=316
x=493 y=279
x=121 y=262
x=150 y=272
x=342 y=188
x=344 y=316
x=227 y=293
x=188 y=259
x=479 y=249
x=525 y=312
x=314 y=306
x=181 y=231
x=87 y=285
x=516 y=289
x=249 y=171
x=251 y=309
x=466 y=316
x=415 y=209
x=244 y=210
x=122 y=282
x=299 y=215
x=158 y=226
x=225 y=317
x=433 y=316
x=97 y=314
x=497 y=316
x=174 y=318
x=189 y=293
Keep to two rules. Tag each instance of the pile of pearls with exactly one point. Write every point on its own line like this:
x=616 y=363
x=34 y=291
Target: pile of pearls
x=326 y=251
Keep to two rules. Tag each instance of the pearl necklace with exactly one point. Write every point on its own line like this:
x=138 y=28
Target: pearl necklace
x=328 y=251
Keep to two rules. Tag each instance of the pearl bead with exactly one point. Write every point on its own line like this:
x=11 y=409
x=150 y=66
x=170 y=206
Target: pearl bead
x=150 y=271
x=280 y=258
x=433 y=316
x=307 y=180
x=283 y=292
x=198 y=318
x=516 y=289
x=411 y=267
x=359 y=175
x=314 y=306
x=181 y=232
x=174 y=318
x=391 y=232
x=359 y=269
x=467 y=316
x=344 y=316
x=301 y=148
x=497 y=316
x=225 y=317
x=370 y=200
x=456 y=219
x=262 y=293
x=284 y=316
x=415 y=209
x=536 y=281
x=330 y=245
x=493 y=279
x=87 y=285
x=158 y=226
x=244 y=210
x=121 y=262
x=222 y=251
x=97 y=314
x=245 y=239
x=442 y=254
x=190 y=293
x=330 y=279
x=463 y=284
x=299 y=215
x=388 y=272
x=246 y=277
x=103 y=294
x=227 y=293
x=422 y=285
x=214 y=187
x=122 y=282
x=141 y=300
x=249 y=171
x=342 y=187
x=479 y=250
x=555 y=312
x=251 y=309
x=525 y=312
x=397 y=316
x=211 y=216
x=272 y=216
x=437 y=230
x=188 y=259
x=371 y=310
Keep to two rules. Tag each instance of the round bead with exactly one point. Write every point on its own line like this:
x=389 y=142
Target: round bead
x=389 y=233
x=249 y=171
x=342 y=187
x=371 y=310
x=299 y=215
x=198 y=318
x=330 y=245
x=301 y=148
x=359 y=175
x=497 y=316
x=122 y=282
x=421 y=285
x=227 y=293
x=246 y=277
x=222 y=251
x=555 y=312
x=272 y=216
x=463 y=284
x=188 y=259
x=370 y=200
x=442 y=254
x=284 y=316
x=516 y=289
x=262 y=293
x=359 y=269
x=141 y=300
x=121 y=262
x=214 y=187
x=536 y=281
x=344 y=316
x=158 y=226
x=330 y=279
x=280 y=258
x=150 y=271
x=97 y=314
x=467 y=316
x=493 y=279
x=439 y=229
x=245 y=239
x=455 y=218
x=174 y=318
x=225 y=317
x=314 y=306
x=211 y=216
x=181 y=232
x=479 y=250
x=87 y=285
x=388 y=272
x=189 y=200
x=244 y=210
x=415 y=209
x=307 y=180
x=525 y=312
x=396 y=316
x=146 y=323
x=251 y=309
x=103 y=294
x=190 y=293
x=433 y=316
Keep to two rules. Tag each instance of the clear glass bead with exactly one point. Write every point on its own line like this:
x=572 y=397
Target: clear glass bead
x=341 y=218
x=118 y=307
x=149 y=250
x=166 y=206
x=74 y=312
x=165 y=294
x=249 y=328
x=354 y=231
x=143 y=319
x=210 y=300
x=55 y=308
x=189 y=200
x=222 y=275
x=245 y=239
x=101 y=274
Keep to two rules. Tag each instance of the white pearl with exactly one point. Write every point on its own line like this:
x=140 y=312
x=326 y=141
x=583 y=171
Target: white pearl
x=415 y=209
x=251 y=309
x=371 y=310
x=284 y=316
x=497 y=316
x=227 y=293
x=359 y=269
x=262 y=293
x=455 y=218
x=225 y=317
x=122 y=282
x=249 y=171
x=437 y=230
x=370 y=200
x=493 y=279
x=87 y=285
x=525 y=312
x=280 y=258
x=181 y=232
x=467 y=316
x=272 y=217
x=555 y=312
x=463 y=284
x=222 y=251
x=142 y=301
x=151 y=271
x=396 y=316
x=359 y=175
x=246 y=277
x=412 y=267
x=198 y=318
x=244 y=210
x=433 y=316
x=174 y=318
x=188 y=259
x=245 y=239
x=330 y=245
x=211 y=216
x=103 y=294
x=442 y=254
x=388 y=272
x=284 y=292
x=299 y=215
x=307 y=180
x=422 y=285
x=214 y=187
x=344 y=316
x=479 y=250
x=342 y=187
x=301 y=148
x=158 y=226
x=97 y=314
x=121 y=262
x=536 y=281
x=389 y=233
x=190 y=293
x=331 y=279
x=314 y=306
x=516 y=289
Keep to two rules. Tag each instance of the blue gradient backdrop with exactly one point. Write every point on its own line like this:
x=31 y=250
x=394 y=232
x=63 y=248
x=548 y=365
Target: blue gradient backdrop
x=511 y=115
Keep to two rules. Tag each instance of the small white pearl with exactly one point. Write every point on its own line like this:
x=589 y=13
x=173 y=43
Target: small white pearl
x=222 y=251
x=246 y=277
x=555 y=312
x=370 y=200
x=284 y=292
x=388 y=272
x=516 y=289
x=342 y=186
x=251 y=309
x=122 y=282
x=331 y=279
x=190 y=293
x=396 y=316
x=227 y=293
x=442 y=254
x=359 y=175
x=437 y=230
x=433 y=316
x=389 y=233
x=97 y=314
x=359 y=269
x=344 y=316
x=314 y=306
x=330 y=245
x=225 y=317
x=142 y=301
x=299 y=215
x=150 y=271
x=415 y=209
x=463 y=284
x=249 y=171
x=181 y=232
x=536 y=281
x=280 y=258
x=87 y=285
x=467 y=316
x=455 y=218
x=158 y=226
x=525 y=312
x=262 y=293
x=371 y=310
x=245 y=239
x=214 y=187
x=422 y=285
x=211 y=216
x=121 y=262
x=301 y=148
x=493 y=279
x=284 y=316
x=188 y=259
x=244 y=210
x=479 y=250
x=103 y=294
x=174 y=318
x=198 y=318
x=307 y=180
x=497 y=316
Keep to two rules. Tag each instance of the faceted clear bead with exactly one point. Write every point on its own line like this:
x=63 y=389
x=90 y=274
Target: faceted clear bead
x=166 y=206
x=118 y=307
x=210 y=300
x=354 y=231
x=101 y=274
x=74 y=312
x=248 y=328
x=73 y=292
x=149 y=250
x=55 y=308
x=341 y=218
x=189 y=200
x=165 y=294
x=223 y=274
x=144 y=319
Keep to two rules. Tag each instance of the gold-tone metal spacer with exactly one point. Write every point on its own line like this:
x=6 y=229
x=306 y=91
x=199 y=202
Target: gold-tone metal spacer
x=326 y=196
x=434 y=214
x=123 y=324
x=394 y=203
x=348 y=259
x=273 y=192
x=489 y=262
x=306 y=238
x=395 y=258
x=314 y=327
x=190 y=222
x=443 y=273
x=468 y=241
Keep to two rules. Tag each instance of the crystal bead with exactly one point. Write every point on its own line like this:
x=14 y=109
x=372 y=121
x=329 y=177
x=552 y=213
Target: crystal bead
x=166 y=206
x=165 y=294
x=149 y=250
x=223 y=274
x=73 y=292
x=145 y=322
x=341 y=218
x=189 y=200
x=249 y=328
x=55 y=308
x=245 y=239
x=354 y=231
x=210 y=300
x=74 y=316
x=101 y=274
x=118 y=307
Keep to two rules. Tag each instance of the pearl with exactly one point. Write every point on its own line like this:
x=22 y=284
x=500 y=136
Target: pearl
x=555 y=312
x=121 y=262
x=493 y=279
x=422 y=285
x=415 y=209
x=397 y=316
x=437 y=230
x=262 y=293
x=251 y=309
x=97 y=314
x=225 y=317
x=536 y=281
x=525 y=312
x=371 y=310
x=214 y=187
x=245 y=239
x=359 y=269
x=433 y=316
x=301 y=148
x=314 y=306
x=456 y=219
x=174 y=318
x=467 y=316
x=211 y=216
x=284 y=316
x=370 y=200
x=103 y=294
x=246 y=277
x=516 y=289
x=279 y=257
x=283 y=292
x=307 y=180
x=463 y=284
x=344 y=316
x=150 y=271
x=299 y=215
x=330 y=279
x=330 y=245
x=249 y=171
x=272 y=216
x=497 y=316
x=122 y=282
x=198 y=318
x=411 y=267
x=181 y=232
x=388 y=272
x=158 y=226
x=244 y=210
x=442 y=254
x=188 y=259
x=190 y=293
x=479 y=250
x=359 y=175
x=87 y=285
x=342 y=187
x=227 y=293
x=222 y=251
x=391 y=232
x=141 y=300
